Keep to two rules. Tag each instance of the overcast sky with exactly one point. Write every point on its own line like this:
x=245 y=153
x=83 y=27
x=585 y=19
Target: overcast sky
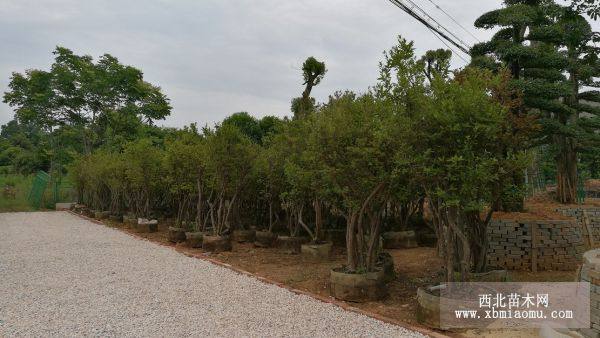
x=216 y=57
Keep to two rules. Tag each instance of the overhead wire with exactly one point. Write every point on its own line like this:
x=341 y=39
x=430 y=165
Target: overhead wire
x=448 y=46
x=427 y=16
x=411 y=12
x=454 y=20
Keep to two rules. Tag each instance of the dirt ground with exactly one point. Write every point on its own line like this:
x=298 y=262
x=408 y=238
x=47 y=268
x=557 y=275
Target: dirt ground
x=543 y=206
x=415 y=268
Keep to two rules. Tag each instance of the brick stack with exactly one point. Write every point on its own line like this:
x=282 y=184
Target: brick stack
x=593 y=219
x=559 y=244
x=509 y=244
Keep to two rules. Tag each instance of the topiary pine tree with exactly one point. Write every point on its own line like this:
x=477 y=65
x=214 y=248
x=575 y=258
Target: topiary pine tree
x=574 y=128
x=528 y=43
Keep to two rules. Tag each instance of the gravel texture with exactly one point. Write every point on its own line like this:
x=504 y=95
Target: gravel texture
x=63 y=276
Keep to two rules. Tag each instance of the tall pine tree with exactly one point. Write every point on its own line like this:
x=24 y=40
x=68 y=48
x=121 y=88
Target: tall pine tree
x=573 y=129
x=547 y=49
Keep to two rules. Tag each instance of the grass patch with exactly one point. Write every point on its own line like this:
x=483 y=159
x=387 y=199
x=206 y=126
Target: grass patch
x=22 y=185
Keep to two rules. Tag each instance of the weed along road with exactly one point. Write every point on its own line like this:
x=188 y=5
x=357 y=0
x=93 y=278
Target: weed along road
x=61 y=275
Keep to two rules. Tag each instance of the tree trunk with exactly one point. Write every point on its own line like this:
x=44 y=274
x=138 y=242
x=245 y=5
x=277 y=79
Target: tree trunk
x=566 y=171
x=478 y=239
x=373 y=241
x=199 y=210
x=566 y=159
x=318 y=220
x=351 y=241
x=270 y=216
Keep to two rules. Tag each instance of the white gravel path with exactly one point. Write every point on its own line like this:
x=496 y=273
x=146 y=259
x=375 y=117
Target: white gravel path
x=63 y=276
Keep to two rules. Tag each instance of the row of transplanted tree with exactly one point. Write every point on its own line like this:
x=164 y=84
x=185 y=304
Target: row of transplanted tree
x=457 y=140
x=362 y=161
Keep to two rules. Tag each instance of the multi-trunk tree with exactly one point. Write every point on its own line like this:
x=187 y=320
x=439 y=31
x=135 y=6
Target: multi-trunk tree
x=352 y=145
x=574 y=128
x=547 y=49
x=230 y=157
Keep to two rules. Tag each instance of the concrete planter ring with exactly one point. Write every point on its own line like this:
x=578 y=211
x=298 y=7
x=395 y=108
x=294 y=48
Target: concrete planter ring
x=265 y=239
x=358 y=287
x=194 y=239
x=146 y=226
x=289 y=245
x=176 y=235
x=320 y=251
x=400 y=240
x=216 y=243
x=244 y=236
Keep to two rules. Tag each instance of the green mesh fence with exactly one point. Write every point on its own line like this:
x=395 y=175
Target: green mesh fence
x=62 y=191
x=38 y=188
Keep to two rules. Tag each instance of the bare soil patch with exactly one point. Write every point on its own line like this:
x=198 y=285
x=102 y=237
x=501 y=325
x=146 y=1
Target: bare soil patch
x=543 y=206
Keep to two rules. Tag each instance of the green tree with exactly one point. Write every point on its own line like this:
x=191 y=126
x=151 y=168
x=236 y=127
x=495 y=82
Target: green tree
x=401 y=77
x=536 y=66
x=144 y=175
x=436 y=63
x=303 y=177
x=185 y=168
x=351 y=144
x=247 y=124
x=230 y=158
x=269 y=172
x=453 y=142
x=574 y=128
x=24 y=147
x=313 y=72
x=85 y=95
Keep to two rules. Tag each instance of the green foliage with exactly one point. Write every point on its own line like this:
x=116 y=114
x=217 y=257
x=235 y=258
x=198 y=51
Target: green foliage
x=458 y=155
x=349 y=148
x=230 y=158
x=313 y=72
x=401 y=76
x=436 y=63
x=540 y=42
x=21 y=185
x=24 y=147
x=589 y=7
x=355 y=159
x=78 y=91
x=454 y=138
x=77 y=106
x=255 y=129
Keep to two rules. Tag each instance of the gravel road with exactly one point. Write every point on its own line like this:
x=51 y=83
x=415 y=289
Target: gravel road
x=63 y=276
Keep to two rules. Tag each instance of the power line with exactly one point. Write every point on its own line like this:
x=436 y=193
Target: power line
x=448 y=46
x=427 y=20
x=426 y=16
x=454 y=20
